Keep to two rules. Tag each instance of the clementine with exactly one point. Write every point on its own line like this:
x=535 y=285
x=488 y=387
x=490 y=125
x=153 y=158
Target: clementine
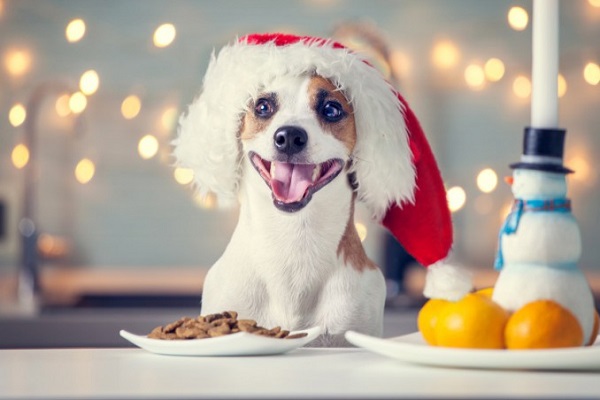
x=595 y=329
x=428 y=317
x=475 y=321
x=489 y=291
x=543 y=324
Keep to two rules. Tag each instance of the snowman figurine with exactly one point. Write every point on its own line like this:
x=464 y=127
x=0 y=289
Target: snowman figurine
x=539 y=242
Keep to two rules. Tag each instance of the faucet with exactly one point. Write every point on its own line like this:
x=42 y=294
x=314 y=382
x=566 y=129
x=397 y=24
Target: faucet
x=28 y=286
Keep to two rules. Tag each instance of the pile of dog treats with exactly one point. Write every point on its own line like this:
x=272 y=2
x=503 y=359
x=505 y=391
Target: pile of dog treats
x=214 y=325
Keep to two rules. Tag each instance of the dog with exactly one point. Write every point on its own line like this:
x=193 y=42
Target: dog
x=299 y=130
x=296 y=255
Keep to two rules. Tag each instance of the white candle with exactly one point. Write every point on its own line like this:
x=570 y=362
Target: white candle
x=544 y=74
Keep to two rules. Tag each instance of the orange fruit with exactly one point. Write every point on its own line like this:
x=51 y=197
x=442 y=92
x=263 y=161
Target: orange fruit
x=475 y=321
x=543 y=324
x=428 y=317
x=486 y=292
x=595 y=329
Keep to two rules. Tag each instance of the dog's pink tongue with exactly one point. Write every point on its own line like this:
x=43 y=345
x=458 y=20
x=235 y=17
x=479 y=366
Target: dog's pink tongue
x=291 y=181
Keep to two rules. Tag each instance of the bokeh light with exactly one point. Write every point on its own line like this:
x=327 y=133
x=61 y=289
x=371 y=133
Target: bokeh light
x=581 y=166
x=562 y=85
x=456 y=198
x=62 y=105
x=89 y=82
x=207 y=202
x=183 y=176
x=445 y=54
x=75 y=30
x=168 y=118
x=17 y=62
x=148 y=147
x=522 y=87
x=77 y=102
x=20 y=156
x=51 y=246
x=164 y=35
x=17 y=115
x=518 y=18
x=487 y=180
x=474 y=76
x=361 y=229
x=494 y=69
x=131 y=106
x=85 y=170
x=591 y=73
x=594 y=3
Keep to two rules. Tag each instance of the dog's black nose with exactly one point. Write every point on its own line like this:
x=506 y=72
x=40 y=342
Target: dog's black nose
x=290 y=139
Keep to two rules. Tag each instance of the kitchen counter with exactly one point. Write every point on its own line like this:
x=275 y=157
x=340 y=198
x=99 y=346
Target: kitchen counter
x=100 y=327
x=109 y=372
x=303 y=373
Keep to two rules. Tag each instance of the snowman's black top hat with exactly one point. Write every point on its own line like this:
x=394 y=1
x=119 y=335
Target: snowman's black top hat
x=543 y=150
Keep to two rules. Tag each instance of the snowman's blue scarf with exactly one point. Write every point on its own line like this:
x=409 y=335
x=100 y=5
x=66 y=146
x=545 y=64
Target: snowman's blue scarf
x=511 y=223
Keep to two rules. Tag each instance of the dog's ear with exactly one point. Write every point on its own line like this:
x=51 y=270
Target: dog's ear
x=208 y=136
x=382 y=158
x=398 y=177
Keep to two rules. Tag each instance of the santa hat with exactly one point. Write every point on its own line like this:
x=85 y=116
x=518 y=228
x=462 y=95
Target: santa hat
x=397 y=176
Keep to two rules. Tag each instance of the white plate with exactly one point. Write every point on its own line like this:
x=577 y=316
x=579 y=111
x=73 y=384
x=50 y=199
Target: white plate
x=237 y=344
x=413 y=349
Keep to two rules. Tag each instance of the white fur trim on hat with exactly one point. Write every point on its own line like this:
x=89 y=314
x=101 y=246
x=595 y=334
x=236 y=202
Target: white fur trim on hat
x=208 y=142
x=447 y=282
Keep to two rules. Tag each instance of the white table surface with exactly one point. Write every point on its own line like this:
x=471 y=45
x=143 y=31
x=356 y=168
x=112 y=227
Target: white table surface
x=303 y=373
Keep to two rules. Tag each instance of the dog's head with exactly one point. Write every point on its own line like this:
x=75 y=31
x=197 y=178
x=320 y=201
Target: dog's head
x=305 y=114
x=299 y=133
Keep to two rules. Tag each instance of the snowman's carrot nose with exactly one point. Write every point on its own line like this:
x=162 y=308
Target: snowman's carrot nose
x=509 y=180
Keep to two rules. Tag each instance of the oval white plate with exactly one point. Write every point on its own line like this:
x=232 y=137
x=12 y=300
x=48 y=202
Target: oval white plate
x=237 y=344
x=413 y=349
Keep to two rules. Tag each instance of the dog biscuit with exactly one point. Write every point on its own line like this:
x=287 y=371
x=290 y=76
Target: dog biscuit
x=214 y=325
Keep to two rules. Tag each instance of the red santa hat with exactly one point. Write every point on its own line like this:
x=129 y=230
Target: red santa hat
x=397 y=175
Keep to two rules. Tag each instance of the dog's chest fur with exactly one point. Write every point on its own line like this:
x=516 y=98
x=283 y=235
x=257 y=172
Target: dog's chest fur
x=295 y=259
x=290 y=270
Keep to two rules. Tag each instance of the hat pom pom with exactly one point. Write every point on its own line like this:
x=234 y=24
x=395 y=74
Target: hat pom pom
x=447 y=282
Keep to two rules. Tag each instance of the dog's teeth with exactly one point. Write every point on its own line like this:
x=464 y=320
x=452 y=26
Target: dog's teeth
x=272 y=172
x=316 y=172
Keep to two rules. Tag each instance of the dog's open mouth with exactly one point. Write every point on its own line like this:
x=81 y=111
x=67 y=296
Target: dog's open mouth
x=293 y=185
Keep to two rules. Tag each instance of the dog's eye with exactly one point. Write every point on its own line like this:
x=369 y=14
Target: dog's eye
x=264 y=108
x=332 y=111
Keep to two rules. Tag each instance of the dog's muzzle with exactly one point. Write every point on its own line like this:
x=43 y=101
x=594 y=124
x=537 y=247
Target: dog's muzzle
x=292 y=185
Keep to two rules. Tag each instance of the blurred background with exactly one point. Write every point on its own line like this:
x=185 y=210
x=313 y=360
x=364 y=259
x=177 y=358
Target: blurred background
x=90 y=94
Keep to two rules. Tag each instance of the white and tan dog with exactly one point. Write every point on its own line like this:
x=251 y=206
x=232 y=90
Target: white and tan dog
x=299 y=129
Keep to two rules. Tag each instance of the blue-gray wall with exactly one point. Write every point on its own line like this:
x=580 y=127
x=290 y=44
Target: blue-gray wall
x=134 y=214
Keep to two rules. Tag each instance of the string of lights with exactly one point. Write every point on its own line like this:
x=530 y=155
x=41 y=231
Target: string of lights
x=446 y=55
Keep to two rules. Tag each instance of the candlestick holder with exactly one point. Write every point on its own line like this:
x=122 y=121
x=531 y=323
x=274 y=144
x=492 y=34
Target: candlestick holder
x=539 y=243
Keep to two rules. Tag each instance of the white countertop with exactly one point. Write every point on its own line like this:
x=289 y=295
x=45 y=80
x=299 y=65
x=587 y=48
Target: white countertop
x=303 y=373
